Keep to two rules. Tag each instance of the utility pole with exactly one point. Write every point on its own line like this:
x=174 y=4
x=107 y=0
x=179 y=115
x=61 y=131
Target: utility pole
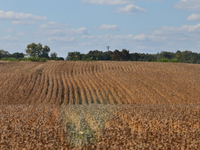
x=108 y=47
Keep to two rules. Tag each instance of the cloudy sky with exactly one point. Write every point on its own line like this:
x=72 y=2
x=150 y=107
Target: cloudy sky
x=145 y=26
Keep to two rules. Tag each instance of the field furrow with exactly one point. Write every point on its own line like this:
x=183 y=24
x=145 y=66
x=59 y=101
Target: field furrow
x=19 y=91
x=33 y=90
x=50 y=85
x=8 y=84
x=65 y=90
x=111 y=94
x=9 y=92
x=4 y=79
x=23 y=89
x=75 y=98
x=122 y=91
x=55 y=90
x=99 y=105
x=166 y=90
x=43 y=89
x=99 y=82
x=29 y=88
x=36 y=97
x=71 y=89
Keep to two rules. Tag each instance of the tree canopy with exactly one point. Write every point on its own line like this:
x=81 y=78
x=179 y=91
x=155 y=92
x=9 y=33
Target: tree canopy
x=36 y=50
x=124 y=55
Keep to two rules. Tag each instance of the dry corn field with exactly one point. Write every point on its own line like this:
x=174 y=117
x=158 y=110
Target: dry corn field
x=99 y=105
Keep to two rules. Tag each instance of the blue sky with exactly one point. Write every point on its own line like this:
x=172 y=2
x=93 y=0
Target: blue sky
x=144 y=26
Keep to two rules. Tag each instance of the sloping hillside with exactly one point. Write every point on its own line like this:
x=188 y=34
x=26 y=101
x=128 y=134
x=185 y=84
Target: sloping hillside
x=99 y=83
x=99 y=105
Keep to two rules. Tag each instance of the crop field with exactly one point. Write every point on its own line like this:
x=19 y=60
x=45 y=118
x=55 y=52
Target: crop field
x=58 y=83
x=99 y=105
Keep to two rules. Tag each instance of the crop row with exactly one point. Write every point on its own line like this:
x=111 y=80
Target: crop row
x=58 y=83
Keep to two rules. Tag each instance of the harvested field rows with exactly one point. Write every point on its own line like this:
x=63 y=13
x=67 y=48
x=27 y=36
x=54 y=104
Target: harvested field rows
x=99 y=105
x=58 y=83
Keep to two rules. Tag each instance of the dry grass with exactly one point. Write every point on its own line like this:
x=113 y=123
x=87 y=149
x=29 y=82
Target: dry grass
x=156 y=105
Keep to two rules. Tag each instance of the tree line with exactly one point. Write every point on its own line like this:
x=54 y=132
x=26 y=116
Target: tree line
x=36 y=52
x=124 y=55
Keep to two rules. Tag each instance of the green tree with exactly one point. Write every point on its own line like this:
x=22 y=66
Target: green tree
x=45 y=51
x=135 y=56
x=107 y=55
x=116 y=55
x=17 y=55
x=31 y=50
x=53 y=55
x=126 y=55
x=165 y=54
x=123 y=55
x=73 y=56
x=36 y=50
x=4 y=54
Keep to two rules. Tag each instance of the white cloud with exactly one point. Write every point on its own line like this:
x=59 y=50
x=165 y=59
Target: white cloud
x=193 y=5
x=194 y=28
x=112 y=2
x=140 y=37
x=82 y=30
x=87 y=43
x=53 y=28
x=62 y=39
x=87 y=37
x=11 y=15
x=20 y=22
x=183 y=33
x=10 y=30
x=165 y=38
x=183 y=28
x=107 y=2
x=21 y=33
x=193 y=17
x=20 y=18
x=117 y=38
x=65 y=48
x=9 y=38
x=51 y=25
x=130 y=9
x=108 y=27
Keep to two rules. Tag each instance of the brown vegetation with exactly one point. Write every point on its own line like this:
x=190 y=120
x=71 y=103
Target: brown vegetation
x=156 y=105
x=99 y=83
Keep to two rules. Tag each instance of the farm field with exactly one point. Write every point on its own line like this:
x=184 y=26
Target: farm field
x=58 y=83
x=99 y=104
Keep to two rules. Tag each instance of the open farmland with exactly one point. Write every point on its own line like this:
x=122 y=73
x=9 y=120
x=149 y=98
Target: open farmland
x=99 y=83
x=99 y=104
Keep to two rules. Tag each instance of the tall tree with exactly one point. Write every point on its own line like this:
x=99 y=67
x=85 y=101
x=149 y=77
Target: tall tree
x=17 y=55
x=73 y=56
x=4 y=54
x=53 y=55
x=31 y=50
x=45 y=51
x=36 y=50
x=126 y=54
x=116 y=55
x=123 y=55
x=39 y=49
